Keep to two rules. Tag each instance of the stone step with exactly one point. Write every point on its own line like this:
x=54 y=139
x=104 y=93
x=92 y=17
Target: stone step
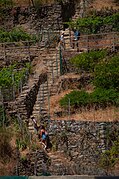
x=41 y=97
x=54 y=66
x=42 y=93
x=43 y=87
x=43 y=112
x=39 y=108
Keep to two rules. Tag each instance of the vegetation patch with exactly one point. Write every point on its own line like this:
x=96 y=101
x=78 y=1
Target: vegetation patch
x=106 y=74
x=76 y=99
x=98 y=98
x=105 y=78
x=10 y=76
x=93 y=24
x=16 y=35
x=104 y=97
x=87 y=61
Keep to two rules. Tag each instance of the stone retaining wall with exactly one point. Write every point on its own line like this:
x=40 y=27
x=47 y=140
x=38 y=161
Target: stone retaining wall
x=32 y=95
x=40 y=17
x=82 y=144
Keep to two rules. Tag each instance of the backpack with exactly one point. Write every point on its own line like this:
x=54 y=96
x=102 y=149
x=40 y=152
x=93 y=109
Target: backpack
x=44 y=136
x=77 y=34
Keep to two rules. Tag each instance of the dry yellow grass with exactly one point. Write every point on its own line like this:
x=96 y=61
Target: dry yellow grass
x=109 y=114
x=103 y=4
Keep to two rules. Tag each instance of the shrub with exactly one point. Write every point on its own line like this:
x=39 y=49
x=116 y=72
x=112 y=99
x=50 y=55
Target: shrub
x=102 y=97
x=87 y=61
x=94 y=23
x=106 y=74
x=76 y=98
x=15 y=35
x=99 y=98
x=7 y=74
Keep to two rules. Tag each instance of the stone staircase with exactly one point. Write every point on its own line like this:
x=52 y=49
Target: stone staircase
x=77 y=11
x=46 y=89
x=38 y=92
x=22 y=106
x=51 y=59
x=81 y=8
x=60 y=164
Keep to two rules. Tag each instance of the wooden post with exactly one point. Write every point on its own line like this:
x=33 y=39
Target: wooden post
x=57 y=64
x=113 y=43
x=52 y=73
x=48 y=101
x=69 y=108
x=39 y=97
x=70 y=37
x=43 y=93
x=21 y=85
x=13 y=86
x=5 y=56
x=60 y=61
x=3 y=109
x=87 y=43
x=29 y=51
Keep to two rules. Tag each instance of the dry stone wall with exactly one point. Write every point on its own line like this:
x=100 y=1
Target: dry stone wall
x=31 y=97
x=35 y=163
x=80 y=142
x=83 y=143
x=40 y=17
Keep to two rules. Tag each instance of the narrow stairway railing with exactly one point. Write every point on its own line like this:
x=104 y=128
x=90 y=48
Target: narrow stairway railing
x=93 y=41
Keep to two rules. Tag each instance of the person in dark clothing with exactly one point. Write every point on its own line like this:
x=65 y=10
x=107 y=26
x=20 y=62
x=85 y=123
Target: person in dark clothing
x=76 y=34
x=76 y=38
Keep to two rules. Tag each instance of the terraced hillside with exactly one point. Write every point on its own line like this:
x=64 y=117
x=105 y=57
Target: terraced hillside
x=84 y=138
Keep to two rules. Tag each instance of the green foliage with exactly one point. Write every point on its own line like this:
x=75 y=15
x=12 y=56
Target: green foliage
x=77 y=98
x=15 y=35
x=106 y=74
x=23 y=138
x=21 y=144
x=10 y=76
x=99 y=97
x=103 y=97
x=87 y=61
x=93 y=24
x=6 y=3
